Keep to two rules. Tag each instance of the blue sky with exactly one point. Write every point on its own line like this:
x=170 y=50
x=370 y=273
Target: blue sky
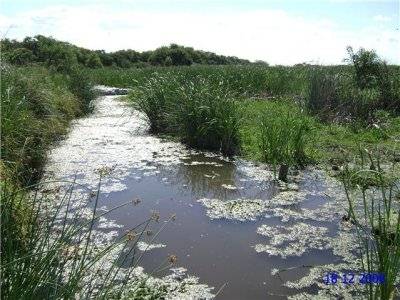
x=279 y=32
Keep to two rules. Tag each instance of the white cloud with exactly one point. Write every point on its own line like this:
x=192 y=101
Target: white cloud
x=271 y=35
x=381 y=18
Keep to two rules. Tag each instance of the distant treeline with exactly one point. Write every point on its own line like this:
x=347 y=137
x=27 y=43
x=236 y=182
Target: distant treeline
x=62 y=55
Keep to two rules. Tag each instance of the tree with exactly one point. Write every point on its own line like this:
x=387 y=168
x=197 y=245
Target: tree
x=93 y=61
x=367 y=66
x=19 y=56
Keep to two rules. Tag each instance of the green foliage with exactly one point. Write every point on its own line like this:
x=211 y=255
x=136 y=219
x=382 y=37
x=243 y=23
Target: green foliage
x=206 y=117
x=282 y=135
x=93 y=61
x=36 y=108
x=376 y=217
x=62 y=56
x=48 y=250
x=20 y=56
x=82 y=87
x=202 y=113
x=343 y=96
x=367 y=67
x=323 y=95
x=152 y=99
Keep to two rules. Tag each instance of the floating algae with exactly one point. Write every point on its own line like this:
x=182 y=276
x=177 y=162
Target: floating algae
x=143 y=246
x=229 y=187
x=297 y=238
x=239 y=209
x=203 y=163
x=123 y=130
x=82 y=159
x=177 y=285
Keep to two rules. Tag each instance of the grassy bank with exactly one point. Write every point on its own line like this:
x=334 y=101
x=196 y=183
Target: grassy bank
x=326 y=143
x=37 y=106
x=205 y=106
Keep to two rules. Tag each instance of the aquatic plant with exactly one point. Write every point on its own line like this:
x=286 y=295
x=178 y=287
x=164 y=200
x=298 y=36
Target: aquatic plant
x=51 y=250
x=282 y=135
x=203 y=114
x=153 y=99
x=376 y=216
x=206 y=117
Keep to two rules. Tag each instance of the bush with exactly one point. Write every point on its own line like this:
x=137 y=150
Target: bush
x=367 y=67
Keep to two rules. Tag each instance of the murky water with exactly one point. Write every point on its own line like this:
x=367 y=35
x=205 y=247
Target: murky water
x=235 y=226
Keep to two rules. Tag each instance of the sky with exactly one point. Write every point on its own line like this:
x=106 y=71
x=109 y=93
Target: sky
x=279 y=32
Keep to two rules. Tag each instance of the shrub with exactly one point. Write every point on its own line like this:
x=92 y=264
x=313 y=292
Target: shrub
x=367 y=67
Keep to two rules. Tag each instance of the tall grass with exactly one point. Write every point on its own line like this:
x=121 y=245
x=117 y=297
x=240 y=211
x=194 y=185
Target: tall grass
x=202 y=113
x=37 y=106
x=239 y=80
x=323 y=96
x=367 y=86
x=206 y=117
x=372 y=192
x=282 y=135
x=153 y=98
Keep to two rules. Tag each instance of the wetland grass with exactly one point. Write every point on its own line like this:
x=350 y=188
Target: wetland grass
x=52 y=251
x=201 y=113
x=37 y=106
x=282 y=137
x=372 y=193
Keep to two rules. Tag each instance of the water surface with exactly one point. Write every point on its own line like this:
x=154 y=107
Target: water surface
x=235 y=225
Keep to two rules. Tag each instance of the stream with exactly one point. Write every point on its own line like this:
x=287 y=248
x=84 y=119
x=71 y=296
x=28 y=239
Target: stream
x=236 y=228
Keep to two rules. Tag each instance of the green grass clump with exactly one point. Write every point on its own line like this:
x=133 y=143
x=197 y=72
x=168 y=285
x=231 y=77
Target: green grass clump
x=153 y=98
x=282 y=135
x=202 y=113
x=206 y=117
